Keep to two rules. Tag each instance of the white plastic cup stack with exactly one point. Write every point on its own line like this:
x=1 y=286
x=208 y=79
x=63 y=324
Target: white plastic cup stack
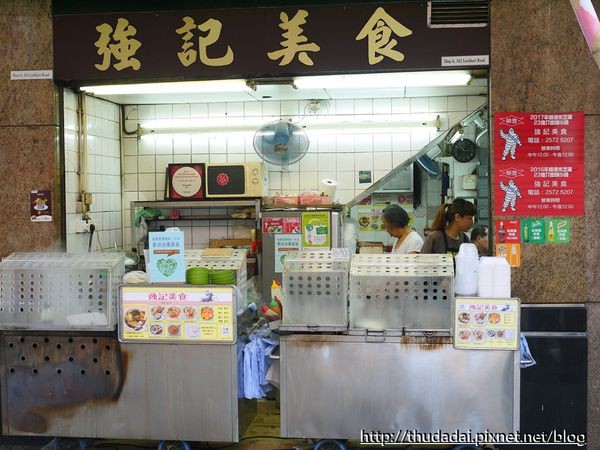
x=494 y=277
x=467 y=261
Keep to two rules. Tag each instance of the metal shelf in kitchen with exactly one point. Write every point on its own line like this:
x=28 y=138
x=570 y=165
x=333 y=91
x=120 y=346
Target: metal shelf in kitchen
x=401 y=292
x=203 y=210
x=315 y=288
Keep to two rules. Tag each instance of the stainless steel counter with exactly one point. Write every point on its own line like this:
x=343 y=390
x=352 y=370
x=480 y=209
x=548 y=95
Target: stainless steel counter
x=76 y=386
x=332 y=386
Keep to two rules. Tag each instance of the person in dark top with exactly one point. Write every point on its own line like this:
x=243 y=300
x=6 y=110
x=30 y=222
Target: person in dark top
x=479 y=237
x=449 y=226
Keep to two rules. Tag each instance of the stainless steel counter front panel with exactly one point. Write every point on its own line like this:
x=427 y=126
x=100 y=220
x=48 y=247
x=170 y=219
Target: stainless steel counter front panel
x=334 y=386
x=53 y=386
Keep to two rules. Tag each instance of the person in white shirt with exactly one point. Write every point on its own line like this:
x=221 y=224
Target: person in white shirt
x=395 y=221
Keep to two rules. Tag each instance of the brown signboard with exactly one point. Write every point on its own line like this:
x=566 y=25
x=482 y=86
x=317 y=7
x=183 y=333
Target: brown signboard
x=274 y=41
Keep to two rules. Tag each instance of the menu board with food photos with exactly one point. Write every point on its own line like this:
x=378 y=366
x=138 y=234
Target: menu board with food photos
x=177 y=314
x=487 y=323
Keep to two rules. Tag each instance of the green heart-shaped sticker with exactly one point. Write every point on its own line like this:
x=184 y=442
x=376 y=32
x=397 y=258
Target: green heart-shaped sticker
x=166 y=266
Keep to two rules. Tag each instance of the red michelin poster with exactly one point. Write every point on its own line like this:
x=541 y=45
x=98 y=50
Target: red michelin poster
x=538 y=164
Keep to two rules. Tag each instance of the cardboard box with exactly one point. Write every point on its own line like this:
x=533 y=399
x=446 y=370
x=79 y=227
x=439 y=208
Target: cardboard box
x=231 y=243
x=370 y=247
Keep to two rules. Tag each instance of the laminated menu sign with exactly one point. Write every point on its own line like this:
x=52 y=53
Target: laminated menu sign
x=177 y=314
x=538 y=164
x=370 y=219
x=486 y=323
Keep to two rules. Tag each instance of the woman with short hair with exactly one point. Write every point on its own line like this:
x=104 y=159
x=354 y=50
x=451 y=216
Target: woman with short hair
x=395 y=221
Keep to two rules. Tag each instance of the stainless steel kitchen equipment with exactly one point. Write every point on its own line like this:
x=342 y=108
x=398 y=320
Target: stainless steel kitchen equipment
x=60 y=291
x=315 y=286
x=175 y=376
x=334 y=386
x=93 y=386
x=400 y=293
x=235 y=260
x=270 y=252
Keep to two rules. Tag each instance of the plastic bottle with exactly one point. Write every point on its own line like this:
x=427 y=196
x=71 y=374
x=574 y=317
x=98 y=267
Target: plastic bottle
x=525 y=233
x=276 y=299
x=501 y=232
x=550 y=232
x=274 y=306
x=269 y=314
x=514 y=257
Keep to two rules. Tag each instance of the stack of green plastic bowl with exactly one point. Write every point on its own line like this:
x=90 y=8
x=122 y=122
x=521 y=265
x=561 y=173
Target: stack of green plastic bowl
x=197 y=275
x=223 y=276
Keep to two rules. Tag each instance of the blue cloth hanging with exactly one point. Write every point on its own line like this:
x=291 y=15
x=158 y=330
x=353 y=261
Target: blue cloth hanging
x=526 y=356
x=241 y=343
x=257 y=362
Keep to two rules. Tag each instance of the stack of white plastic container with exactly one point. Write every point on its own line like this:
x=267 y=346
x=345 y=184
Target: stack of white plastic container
x=488 y=276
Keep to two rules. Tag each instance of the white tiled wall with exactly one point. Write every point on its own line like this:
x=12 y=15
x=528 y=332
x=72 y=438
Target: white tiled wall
x=330 y=155
x=104 y=173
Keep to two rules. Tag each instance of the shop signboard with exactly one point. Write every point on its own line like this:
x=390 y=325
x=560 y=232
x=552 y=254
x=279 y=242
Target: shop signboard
x=245 y=42
x=538 y=164
x=177 y=314
x=486 y=323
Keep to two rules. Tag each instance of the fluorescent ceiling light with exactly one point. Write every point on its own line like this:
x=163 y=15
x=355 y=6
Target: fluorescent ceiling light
x=378 y=80
x=181 y=87
x=323 y=128
x=401 y=79
x=396 y=120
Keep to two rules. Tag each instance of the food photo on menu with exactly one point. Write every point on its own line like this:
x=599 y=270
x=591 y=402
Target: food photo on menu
x=174 y=329
x=189 y=312
x=464 y=335
x=173 y=312
x=478 y=335
x=156 y=329
x=464 y=317
x=157 y=312
x=135 y=318
x=494 y=318
x=480 y=318
x=192 y=330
